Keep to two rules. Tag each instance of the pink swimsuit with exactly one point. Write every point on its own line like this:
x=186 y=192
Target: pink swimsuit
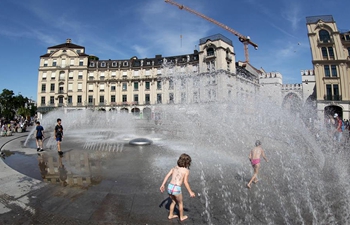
x=255 y=161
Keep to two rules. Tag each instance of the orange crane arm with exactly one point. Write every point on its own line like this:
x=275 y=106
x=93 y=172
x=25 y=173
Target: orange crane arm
x=244 y=39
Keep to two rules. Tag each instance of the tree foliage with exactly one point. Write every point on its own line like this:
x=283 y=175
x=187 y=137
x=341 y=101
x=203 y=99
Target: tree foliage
x=12 y=105
x=23 y=112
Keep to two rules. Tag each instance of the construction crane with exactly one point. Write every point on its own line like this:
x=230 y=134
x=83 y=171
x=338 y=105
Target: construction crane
x=244 y=39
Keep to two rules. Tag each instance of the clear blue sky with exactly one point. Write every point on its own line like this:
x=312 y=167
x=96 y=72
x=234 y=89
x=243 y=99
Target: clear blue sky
x=120 y=29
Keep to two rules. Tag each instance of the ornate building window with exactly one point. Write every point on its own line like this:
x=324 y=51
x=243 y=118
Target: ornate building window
x=136 y=86
x=90 y=99
x=52 y=100
x=42 y=100
x=79 y=99
x=324 y=36
x=124 y=98
x=324 y=53
x=331 y=52
x=43 y=88
x=102 y=99
x=334 y=70
x=210 y=51
x=124 y=86
x=147 y=85
x=326 y=71
x=112 y=98
x=52 y=87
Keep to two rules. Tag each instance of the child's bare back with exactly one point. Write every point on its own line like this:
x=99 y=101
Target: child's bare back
x=178 y=175
x=256 y=152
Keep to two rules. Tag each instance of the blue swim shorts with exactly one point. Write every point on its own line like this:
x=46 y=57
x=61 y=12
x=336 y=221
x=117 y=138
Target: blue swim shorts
x=174 y=189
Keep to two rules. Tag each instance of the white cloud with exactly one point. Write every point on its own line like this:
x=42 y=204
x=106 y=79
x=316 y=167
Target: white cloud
x=141 y=51
x=165 y=24
x=283 y=31
x=292 y=14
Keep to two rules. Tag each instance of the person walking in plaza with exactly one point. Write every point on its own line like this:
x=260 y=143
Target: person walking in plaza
x=254 y=158
x=179 y=174
x=39 y=136
x=338 y=131
x=59 y=135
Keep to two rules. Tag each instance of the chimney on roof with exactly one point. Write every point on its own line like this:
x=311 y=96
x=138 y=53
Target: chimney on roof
x=68 y=41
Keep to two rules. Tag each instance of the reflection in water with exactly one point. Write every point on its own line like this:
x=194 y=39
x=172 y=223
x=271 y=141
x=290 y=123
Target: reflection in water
x=74 y=168
x=42 y=165
x=62 y=172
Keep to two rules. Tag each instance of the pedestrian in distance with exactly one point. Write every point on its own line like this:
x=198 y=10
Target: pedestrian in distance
x=254 y=158
x=58 y=134
x=179 y=174
x=39 y=136
x=338 y=131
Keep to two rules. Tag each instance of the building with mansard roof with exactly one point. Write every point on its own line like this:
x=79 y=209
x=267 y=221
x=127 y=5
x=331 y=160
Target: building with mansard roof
x=330 y=48
x=69 y=77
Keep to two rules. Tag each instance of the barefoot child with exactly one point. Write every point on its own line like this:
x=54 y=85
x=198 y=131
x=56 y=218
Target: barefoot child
x=180 y=175
x=254 y=158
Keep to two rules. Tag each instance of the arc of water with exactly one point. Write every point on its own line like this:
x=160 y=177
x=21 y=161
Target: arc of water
x=206 y=197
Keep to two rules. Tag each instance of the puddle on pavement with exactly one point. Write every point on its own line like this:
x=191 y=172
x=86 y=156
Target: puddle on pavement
x=81 y=167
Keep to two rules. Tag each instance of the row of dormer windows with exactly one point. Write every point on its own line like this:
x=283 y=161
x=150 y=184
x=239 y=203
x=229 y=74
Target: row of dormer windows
x=62 y=62
x=135 y=63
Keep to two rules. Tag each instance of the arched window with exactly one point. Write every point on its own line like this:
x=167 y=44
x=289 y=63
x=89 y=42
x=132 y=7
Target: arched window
x=210 y=51
x=324 y=36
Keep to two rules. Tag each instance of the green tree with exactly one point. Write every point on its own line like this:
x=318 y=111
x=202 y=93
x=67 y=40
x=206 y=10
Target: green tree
x=7 y=104
x=25 y=112
x=10 y=104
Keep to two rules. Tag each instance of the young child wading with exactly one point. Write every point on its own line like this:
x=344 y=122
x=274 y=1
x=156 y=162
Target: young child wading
x=179 y=175
x=254 y=158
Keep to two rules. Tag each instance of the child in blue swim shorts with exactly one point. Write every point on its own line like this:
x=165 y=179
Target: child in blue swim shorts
x=179 y=174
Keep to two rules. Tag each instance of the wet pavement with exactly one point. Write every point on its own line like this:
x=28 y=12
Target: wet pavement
x=101 y=179
x=85 y=186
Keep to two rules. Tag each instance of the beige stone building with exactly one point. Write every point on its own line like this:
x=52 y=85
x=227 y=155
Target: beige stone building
x=330 y=50
x=69 y=77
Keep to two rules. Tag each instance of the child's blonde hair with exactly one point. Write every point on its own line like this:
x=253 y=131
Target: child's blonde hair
x=184 y=161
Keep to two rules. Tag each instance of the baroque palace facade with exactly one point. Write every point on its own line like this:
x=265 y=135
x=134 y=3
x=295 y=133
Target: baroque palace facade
x=69 y=77
x=330 y=50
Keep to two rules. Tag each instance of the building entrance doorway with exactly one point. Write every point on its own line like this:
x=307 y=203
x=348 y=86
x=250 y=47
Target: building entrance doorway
x=332 y=109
